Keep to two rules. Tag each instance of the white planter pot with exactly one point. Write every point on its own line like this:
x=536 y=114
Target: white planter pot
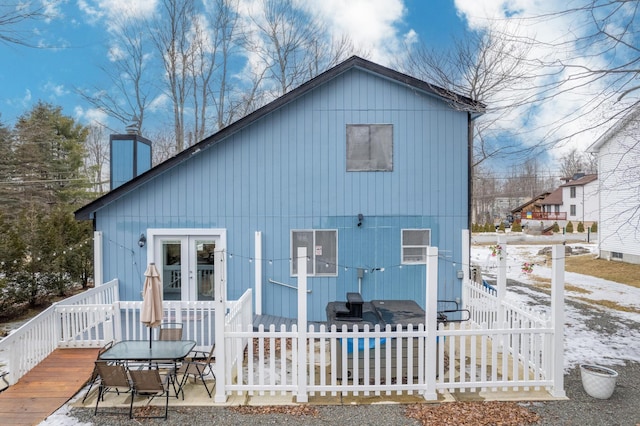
x=599 y=382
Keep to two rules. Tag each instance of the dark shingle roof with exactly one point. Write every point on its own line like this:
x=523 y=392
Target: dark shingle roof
x=581 y=181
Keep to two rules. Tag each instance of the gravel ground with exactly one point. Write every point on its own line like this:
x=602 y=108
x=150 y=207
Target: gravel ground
x=622 y=409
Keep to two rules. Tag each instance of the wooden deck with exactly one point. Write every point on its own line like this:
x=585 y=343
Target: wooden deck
x=46 y=387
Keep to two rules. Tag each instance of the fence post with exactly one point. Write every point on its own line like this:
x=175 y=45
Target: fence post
x=302 y=325
x=431 y=324
x=557 y=319
x=502 y=285
x=220 y=303
x=97 y=259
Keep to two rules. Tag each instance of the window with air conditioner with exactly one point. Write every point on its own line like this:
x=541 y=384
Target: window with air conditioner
x=414 y=246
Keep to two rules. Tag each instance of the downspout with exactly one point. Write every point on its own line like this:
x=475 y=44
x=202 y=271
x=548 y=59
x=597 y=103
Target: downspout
x=469 y=169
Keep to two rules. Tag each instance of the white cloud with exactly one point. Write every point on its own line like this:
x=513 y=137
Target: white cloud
x=159 y=103
x=568 y=112
x=55 y=90
x=90 y=115
x=116 y=53
x=373 y=25
x=97 y=10
x=51 y=9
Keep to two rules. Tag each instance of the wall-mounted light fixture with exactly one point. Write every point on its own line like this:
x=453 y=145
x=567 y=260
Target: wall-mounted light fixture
x=142 y=240
x=360 y=219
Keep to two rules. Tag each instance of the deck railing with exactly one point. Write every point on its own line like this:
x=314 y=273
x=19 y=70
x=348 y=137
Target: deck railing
x=197 y=319
x=63 y=323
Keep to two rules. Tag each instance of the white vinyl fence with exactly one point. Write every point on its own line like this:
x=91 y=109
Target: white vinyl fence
x=500 y=347
x=516 y=353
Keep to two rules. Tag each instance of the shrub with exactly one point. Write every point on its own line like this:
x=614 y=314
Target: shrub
x=569 y=228
x=580 y=227
x=489 y=227
x=501 y=227
x=556 y=227
x=516 y=227
x=594 y=227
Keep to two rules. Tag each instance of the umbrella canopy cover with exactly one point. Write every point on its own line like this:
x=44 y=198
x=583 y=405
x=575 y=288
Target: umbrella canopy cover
x=152 y=311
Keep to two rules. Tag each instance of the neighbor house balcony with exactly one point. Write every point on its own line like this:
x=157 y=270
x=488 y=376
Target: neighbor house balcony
x=548 y=216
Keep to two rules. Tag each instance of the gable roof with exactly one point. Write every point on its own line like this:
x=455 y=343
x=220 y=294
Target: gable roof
x=553 y=199
x=531 y=201
x=459 y=102
x=581 y=181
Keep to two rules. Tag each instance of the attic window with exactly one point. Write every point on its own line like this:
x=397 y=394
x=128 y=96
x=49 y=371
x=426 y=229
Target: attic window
x=369 y=147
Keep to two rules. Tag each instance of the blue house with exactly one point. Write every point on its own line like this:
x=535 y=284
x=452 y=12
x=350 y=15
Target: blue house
x=364 y=166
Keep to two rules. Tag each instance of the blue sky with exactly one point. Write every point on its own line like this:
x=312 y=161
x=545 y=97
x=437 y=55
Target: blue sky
x=75 y=41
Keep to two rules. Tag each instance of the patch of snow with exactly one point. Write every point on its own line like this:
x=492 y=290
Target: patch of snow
x=583 y=342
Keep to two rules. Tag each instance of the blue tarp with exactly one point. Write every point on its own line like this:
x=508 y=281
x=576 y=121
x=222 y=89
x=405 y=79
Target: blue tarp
x=372 y=343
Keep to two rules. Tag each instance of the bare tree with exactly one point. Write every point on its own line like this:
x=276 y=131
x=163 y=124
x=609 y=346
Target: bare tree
x=485 y=192
x=13 y=16
x=214 y=39
x=97 y=149
x=597 y=58
x=282 y=37
x=128 y=70
x=484 y=67
x=171 y=33
x=574 y=162
x=163 y=144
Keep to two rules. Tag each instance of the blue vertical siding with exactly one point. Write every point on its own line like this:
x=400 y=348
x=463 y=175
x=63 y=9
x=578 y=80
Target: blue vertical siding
x=288 y=171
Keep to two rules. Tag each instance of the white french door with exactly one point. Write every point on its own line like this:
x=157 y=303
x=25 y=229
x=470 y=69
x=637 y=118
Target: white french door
x=185 y=261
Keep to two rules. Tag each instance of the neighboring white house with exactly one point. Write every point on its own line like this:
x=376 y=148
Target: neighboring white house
x=580 y=199
x=618 y=151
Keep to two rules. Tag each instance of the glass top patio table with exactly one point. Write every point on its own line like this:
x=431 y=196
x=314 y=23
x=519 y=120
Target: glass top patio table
x=139 y=350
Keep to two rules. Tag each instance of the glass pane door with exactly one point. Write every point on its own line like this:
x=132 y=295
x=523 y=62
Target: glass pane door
x=187 y=267
x=202 y=264
x=172 y=262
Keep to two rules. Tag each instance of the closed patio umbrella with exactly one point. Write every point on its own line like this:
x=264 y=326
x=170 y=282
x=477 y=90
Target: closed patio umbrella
x=152 y=311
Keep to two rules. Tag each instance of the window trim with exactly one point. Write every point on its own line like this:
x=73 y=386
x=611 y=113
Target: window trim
x=403 y=246
x=312 y=254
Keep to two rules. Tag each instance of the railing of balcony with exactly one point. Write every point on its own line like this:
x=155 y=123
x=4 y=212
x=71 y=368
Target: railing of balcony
x=549 y=215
